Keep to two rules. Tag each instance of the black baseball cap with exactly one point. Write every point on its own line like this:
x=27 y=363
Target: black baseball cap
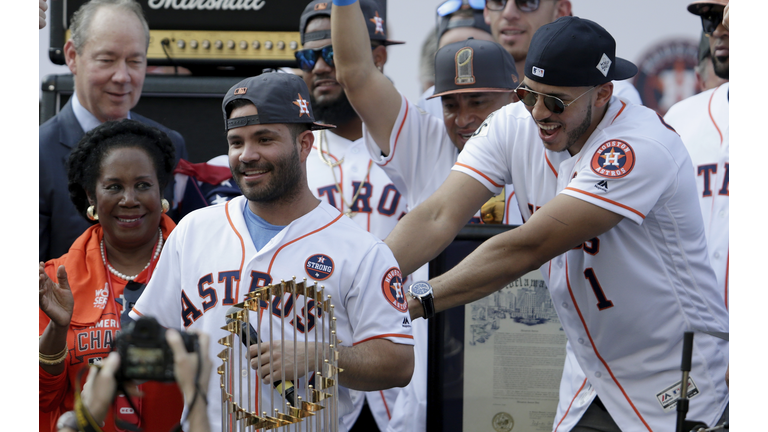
x=279 y=98
x=575 y=52
x=375 y=13
x=449 y=22
x=472 y=66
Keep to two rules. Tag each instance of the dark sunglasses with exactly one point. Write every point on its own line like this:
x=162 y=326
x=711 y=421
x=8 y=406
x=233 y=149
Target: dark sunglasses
x=554 y=104
x=523 y=5
x=308 y=57
x=710 y=21
x=452 y=6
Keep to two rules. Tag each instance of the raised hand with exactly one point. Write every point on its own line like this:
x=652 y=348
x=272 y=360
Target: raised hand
x=56 y=298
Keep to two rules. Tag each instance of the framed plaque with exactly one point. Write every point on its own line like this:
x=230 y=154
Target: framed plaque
x=494 y=364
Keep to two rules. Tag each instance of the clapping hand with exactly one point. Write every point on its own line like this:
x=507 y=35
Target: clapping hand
x=56 y=298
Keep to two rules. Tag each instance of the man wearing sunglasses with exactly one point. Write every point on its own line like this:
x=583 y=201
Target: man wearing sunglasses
x=339 y=170
x=702 y=122
x=623 y=256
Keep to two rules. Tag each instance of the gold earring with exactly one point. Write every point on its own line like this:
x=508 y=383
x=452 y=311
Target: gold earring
x=165 y=204
x=91 y=213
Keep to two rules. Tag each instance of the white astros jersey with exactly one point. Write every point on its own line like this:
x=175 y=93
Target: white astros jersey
x=209 y=263
x=702 y=122
x=376 y=206
x=626 y=297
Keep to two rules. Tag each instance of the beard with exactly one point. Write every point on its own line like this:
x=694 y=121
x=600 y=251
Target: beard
x=284 y=182
x=576 y=134
x=721 y=66
x=335 y=112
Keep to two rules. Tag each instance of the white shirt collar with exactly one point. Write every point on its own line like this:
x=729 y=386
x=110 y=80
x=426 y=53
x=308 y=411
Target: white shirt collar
x=87 y=120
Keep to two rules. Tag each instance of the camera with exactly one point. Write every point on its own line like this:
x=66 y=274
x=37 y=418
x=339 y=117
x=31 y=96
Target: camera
x=144 y=352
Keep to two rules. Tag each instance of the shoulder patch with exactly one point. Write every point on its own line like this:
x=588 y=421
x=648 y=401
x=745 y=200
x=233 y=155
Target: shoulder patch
x=319 y=267
x=392 y=287
x=613 y=159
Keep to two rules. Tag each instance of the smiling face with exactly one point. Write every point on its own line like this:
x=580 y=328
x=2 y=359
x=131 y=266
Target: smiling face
x=570 y=129
x=718 y=46
x=463 y=113
x=109 y=69
x=321 y=80
x=127 y=198
x=265 y=160
x=513 y=29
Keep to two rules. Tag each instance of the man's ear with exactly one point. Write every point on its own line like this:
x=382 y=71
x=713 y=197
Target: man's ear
x=380 y=56
x=563 y=9
x=604 y=93
x=70 y=55
x=306 y=140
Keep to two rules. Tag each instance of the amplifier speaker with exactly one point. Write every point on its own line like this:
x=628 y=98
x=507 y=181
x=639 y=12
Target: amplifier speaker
x=188 y=104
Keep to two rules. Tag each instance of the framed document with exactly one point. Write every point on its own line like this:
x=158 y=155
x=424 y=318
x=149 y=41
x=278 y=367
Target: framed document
x=494 y=364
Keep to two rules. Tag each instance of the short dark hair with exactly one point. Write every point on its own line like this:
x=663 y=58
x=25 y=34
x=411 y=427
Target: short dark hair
x=84 y=165
x=294 y=128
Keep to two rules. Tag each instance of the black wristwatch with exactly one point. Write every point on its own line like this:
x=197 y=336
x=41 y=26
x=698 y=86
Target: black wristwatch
x=422 y=291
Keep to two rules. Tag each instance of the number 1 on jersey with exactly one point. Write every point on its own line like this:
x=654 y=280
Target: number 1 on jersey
x=602 y=302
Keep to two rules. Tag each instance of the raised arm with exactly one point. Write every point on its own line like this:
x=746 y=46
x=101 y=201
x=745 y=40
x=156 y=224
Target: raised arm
x=370 y=92
x=560 y=225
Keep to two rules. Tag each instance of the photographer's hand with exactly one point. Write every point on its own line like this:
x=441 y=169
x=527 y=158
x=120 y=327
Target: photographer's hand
x=99 y=390
x=188 y=377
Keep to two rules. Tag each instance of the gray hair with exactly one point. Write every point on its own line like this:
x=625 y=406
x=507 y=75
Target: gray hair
x=81 y=19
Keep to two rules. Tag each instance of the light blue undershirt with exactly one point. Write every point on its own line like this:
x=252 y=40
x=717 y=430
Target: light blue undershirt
x=260 y=230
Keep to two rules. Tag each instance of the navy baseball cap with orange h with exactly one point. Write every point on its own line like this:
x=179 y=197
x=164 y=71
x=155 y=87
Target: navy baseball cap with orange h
x=374 y=11
x=279 y=98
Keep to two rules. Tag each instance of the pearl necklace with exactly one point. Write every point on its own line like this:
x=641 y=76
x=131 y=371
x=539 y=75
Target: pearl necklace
x=130 y=278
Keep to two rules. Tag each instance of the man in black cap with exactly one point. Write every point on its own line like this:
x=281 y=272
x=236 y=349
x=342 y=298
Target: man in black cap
x=339 y=170
x=278 y=230
x=610 y=187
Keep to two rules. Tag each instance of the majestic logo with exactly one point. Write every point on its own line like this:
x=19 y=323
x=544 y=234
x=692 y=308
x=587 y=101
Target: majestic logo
x=464 y=66
x=602 y=185
x=379 y=21
x=303 y=106
x=319 y=267
x=406 y=322
x=613 y=159
x=241 y=90
x=539 y=72
x=605 y=65
x=101 y=297
x=392 y=287
x=321 y=6
x=669 y=396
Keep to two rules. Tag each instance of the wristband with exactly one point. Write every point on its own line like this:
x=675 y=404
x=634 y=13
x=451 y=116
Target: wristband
x=343 y=2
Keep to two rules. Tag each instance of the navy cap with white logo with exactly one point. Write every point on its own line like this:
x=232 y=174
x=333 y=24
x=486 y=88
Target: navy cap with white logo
x=375 y=13
x=473 y=66
x=575 y=52
x=278 y=97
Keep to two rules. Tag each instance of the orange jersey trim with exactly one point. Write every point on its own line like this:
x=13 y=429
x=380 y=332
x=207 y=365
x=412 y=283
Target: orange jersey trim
x=242 y=251
x=386 y=407
x=506 y=211
x=394 y=335
x=551 y=167
x=623 y=105
x=727 y=270
x=137 y=311
x=597 y=353
x=709 y=110
x=272 y=261
x=571 y=404
x=479 y=173
x=397 y=137
x=608 y=201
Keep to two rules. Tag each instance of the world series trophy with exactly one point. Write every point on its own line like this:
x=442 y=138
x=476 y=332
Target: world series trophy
x=244 y=404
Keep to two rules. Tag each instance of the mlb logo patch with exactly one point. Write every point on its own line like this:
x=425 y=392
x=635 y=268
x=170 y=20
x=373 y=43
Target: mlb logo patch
x=669 y=396
x=319 y=267
x=539 y=72
x=241 y=90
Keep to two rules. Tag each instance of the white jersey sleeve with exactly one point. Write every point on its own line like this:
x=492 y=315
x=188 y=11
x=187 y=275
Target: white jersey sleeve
x=421 y=153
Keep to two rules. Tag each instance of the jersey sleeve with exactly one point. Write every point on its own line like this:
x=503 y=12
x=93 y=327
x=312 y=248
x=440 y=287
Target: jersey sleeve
x=376 y=303
x=626 y=175
x=484 y=157
x=161 y=298
x=419 y=149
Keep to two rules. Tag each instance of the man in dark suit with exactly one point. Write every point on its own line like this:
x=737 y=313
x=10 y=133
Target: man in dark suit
x=107 y=54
